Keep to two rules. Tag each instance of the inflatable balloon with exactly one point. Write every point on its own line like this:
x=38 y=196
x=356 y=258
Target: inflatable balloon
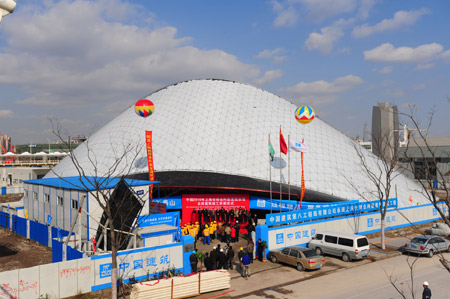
x=144 y=108
x=304 y=114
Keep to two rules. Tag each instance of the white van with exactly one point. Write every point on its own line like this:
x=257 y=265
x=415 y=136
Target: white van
x=347 y=246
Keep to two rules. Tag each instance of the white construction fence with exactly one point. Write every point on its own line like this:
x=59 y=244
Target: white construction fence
x=64 y=279
x=183 y=286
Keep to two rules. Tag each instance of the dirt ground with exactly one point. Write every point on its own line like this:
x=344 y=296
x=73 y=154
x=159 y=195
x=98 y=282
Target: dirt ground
x=18 y=252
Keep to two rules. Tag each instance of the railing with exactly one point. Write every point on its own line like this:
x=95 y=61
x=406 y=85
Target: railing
x=29 y=163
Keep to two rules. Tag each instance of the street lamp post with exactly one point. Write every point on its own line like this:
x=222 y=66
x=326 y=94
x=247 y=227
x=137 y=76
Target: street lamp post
x=48 y=145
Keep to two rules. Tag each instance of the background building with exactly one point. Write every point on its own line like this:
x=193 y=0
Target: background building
x=420 y=163
x=385 y=134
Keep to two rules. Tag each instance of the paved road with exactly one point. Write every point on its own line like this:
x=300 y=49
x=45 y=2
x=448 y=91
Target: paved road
x=366 y=281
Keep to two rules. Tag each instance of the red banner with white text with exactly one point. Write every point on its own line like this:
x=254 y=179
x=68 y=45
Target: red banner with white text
x=151 y=171
x=212 y=202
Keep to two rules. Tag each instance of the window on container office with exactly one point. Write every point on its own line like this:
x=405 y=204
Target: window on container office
x=35 y=195
x=75 y=204
x=46 y=197
x=60 y=200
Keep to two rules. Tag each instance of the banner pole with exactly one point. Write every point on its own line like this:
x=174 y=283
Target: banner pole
x=270 y=178
x=302 y=188
x=280 y=178
x=289 y=175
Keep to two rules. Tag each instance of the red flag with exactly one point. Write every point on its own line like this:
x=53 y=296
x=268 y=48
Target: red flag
x=283 y=145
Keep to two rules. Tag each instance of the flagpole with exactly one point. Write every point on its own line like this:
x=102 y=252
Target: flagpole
x=280 y=179
x=302 y=188
x=289 y=175
x=270 y=178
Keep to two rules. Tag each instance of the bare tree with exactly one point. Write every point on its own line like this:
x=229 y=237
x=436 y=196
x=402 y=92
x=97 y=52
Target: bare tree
x=420 y=157
x=94 y=180
x=381 y=172
x=399 y=286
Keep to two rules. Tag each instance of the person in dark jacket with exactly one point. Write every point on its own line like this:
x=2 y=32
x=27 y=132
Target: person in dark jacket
x=193 y=260
x=241 y=254
x=214 y=257
x=207 y=262
x=260 y=250
x=426 y=294
x=237 y=227
x=255 y=219
x=230 y=257
x=222 y=259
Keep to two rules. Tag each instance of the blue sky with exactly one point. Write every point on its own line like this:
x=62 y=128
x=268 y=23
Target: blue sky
x=84 y=62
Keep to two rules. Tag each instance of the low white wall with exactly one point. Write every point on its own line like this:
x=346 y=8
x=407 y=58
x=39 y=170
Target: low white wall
x=300 y=234
x=69 y=278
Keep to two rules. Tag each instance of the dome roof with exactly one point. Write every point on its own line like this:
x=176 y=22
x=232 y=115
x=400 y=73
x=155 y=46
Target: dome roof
x=223 y=127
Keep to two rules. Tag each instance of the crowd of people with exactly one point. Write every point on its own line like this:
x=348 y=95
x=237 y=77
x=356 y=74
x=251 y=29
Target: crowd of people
x=221 y=258
x=227 y=230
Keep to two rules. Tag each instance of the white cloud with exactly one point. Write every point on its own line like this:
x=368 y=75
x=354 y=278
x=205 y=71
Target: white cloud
x=288 y=11
x=319 y=10
x=320 y=92
x=419 y=86
x=6 y=114
x=385 y=70
x=345 y=50
x=394 y=93
x=324 y=41
x=425 y=66
x=272 y=54
x=387 y=53
x=268 y=77
x=364 y=9
x=70 y=55
x=287 y=16
x=446 y=55
x=401 y=18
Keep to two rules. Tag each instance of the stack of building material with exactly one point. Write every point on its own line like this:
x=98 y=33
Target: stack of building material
x=183 y=286
x=158 y=289
x=214 y=280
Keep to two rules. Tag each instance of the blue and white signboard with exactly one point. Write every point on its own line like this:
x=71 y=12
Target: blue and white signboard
x=170 y=218
x=262 y=203
x=172 y=203
x=332 y=211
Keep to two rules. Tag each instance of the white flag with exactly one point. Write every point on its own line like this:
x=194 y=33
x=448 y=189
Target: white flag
x=298 y=146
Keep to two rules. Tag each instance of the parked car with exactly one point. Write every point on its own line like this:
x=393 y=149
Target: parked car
x=301 y=257
x=343 y=245
x=427 y=245
x=440 y=229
